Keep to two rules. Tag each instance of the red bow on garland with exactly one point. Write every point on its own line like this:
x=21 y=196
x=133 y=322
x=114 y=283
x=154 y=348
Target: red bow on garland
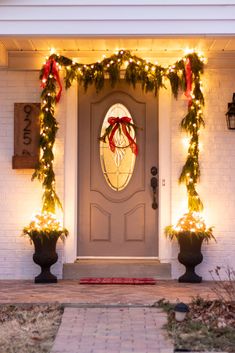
x=188 y=91
x=125 y=124
x=51 y=67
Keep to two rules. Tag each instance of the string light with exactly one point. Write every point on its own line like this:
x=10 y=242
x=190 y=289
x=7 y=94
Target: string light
x=52 y=51
x=45 y=223
x=152 y=77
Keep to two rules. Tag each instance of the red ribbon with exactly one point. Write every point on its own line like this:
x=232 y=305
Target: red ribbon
x=51 y=67
x=116 y=122
x=188 y=71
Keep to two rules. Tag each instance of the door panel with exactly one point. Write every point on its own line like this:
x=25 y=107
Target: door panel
x=110 y=222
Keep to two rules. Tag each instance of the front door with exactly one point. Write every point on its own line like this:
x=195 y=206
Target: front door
x=116 y=217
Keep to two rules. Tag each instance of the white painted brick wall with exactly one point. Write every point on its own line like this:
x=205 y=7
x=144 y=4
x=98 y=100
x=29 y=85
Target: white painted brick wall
x=217 y=160
x=19 y=197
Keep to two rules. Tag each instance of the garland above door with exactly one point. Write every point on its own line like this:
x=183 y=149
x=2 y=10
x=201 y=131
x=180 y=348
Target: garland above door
x=184 y=75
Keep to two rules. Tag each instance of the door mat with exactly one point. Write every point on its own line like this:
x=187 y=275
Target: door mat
x=116 y=280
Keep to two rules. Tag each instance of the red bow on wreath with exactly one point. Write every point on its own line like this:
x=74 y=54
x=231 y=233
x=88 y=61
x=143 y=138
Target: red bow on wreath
x=51 y=67
x=125 y=124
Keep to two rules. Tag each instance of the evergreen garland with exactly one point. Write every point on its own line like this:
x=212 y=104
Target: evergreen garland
x=137 y=70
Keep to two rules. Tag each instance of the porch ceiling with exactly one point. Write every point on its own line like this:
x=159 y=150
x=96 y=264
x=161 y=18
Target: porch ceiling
x=79 y=45
x=29 y=52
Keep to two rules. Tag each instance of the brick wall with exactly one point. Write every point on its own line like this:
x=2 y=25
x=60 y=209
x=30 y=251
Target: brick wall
x=217 y=161
x=19 y=197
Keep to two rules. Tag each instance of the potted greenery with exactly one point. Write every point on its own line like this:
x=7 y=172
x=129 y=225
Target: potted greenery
x=44 y=230
x=190 y=231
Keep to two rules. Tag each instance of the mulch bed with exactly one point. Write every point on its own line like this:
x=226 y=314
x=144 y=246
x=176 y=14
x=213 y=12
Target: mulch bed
x=209 y=326
x=29 y=328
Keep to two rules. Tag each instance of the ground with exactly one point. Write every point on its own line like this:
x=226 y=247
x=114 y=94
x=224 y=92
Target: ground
x=29 y=328
x=209 y=326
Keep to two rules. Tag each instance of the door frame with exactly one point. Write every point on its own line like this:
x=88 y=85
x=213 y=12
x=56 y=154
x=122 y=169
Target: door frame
x=71 y=173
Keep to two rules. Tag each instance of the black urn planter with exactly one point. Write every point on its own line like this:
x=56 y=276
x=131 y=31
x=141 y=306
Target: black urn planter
x=190 y=256
x=45 y=256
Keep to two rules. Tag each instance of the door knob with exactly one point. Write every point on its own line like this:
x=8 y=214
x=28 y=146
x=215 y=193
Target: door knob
x=154 y=185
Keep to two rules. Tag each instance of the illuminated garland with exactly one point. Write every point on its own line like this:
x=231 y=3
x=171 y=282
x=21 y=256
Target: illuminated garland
x=45 y=225
x=191 y=225
x=183 y=75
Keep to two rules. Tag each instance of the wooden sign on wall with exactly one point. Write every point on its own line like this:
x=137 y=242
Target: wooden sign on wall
x=26 y=135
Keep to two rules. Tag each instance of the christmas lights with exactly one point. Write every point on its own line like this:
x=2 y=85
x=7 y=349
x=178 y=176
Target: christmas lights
x=191 y=224
x=184 y=75
x=43 y=225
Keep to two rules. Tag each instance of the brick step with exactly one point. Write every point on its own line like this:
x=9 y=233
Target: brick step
x=116 y=268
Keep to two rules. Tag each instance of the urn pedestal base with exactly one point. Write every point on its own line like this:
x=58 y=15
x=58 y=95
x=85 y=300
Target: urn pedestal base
x=190 y=276
x=190 y=256
x=45 y=276
x=45 y=256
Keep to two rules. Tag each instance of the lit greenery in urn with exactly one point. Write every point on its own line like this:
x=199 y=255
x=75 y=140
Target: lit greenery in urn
x=45 y=225
x=190 y=225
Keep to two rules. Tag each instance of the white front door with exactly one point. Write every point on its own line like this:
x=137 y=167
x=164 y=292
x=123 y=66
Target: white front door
x=115 y=213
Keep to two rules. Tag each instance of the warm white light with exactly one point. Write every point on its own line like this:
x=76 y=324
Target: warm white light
x=45 y=221
x=185 y=141
x=188 y=51
x=52 y=51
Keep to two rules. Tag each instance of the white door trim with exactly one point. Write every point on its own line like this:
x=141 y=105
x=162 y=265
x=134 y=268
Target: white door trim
x=70 y=173
x=71 y=176
x=164 y=128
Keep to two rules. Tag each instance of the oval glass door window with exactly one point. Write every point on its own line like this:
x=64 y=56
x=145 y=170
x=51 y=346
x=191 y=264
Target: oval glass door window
x=117 y=166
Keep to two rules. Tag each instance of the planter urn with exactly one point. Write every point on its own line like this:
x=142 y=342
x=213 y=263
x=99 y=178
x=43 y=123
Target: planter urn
x=45 y=256
x=190 y=256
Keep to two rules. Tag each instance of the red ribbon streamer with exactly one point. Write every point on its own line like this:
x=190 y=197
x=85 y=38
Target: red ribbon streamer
x=51 y=67
x=116 y=122
x=188 y=71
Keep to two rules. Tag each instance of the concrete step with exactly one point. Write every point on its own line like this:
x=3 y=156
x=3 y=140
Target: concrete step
x=116 y=268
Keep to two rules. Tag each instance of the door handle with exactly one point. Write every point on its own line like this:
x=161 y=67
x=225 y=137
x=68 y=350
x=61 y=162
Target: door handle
x=154 y=185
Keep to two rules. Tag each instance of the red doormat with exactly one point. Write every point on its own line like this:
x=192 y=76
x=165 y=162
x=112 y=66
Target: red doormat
x=116 y=280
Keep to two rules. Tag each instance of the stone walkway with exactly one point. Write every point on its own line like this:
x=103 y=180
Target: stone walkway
x=112 y=330
x=71 y=292
x=107 y=318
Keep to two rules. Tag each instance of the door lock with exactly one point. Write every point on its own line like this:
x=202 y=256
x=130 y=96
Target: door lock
x=154 y=185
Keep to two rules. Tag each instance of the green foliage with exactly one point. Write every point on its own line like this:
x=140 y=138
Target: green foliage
x=174 y=234
x=42 y=234
x=164 y=304
x=209 y=326
x=151 y=77
x=175 y=83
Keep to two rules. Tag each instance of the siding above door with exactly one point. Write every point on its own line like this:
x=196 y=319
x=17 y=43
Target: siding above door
x=119 y=17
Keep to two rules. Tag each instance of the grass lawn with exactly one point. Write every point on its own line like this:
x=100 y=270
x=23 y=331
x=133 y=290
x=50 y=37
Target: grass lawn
x=28 y=328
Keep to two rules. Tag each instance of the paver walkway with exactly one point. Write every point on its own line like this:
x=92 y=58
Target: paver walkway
x=106 y=329
x=74 y=293
x=112 y=330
